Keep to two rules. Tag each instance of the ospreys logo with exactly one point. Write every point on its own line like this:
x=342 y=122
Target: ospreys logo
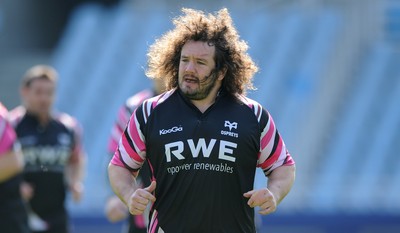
x=230 y=125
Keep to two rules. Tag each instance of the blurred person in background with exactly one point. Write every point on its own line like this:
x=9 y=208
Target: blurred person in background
x=203 y=138
x=52 y=149
x=13 y=218
x=115 y=209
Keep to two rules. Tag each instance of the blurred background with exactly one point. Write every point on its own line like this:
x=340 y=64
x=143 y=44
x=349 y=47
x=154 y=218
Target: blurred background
x=329 y=75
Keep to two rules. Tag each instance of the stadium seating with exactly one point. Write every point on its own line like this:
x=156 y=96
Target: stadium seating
x=346 y=151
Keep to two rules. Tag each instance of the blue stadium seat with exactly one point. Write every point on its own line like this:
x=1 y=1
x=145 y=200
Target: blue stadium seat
x=303 y=83
x=276 y=71
x=380 y=161
x=332 y=178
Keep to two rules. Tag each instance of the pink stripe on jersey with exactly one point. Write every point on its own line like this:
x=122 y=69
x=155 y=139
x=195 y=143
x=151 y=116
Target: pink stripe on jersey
x=124 y=113
x=122 y=117
x=155 y=225
x=255 y=106
x=154 y=104
x=134 y=134
x=153 y=178
x=274 y=157
x=132 y=153
x=3 y=111
x=268 y=159
x=250 y=104
x=289 y=160
x=118 y=128
x=267 y=138
x=245 y=100
x=116 y=133
x=116 y=160
x=139 y=221
x=7 y=138
x=112 y=145
x=3 y=125
x=153 y=222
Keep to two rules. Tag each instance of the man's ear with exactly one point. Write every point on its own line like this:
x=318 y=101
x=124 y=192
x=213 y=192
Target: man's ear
x=222 y=73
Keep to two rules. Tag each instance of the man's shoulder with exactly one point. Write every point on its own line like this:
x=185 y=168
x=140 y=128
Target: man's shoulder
x=154 y=102
x=15 y=115
x=3 y=111
x=252 y=105
x=135 y=100
x=249 y=102
x=66 y=120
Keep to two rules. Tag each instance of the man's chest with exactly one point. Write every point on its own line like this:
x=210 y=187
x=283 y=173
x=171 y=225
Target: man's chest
x=215 y=142
x=50 y=146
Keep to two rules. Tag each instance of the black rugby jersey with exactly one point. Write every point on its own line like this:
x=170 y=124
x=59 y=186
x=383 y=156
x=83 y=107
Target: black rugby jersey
x=202 y=162
x=47 y=151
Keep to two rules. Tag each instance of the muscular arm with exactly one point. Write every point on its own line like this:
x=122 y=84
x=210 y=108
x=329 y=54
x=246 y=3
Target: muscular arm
x=11 y=163
x=122 y=182
x=280 y=181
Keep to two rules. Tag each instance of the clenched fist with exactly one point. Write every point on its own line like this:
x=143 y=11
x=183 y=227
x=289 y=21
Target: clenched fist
x=138 y=201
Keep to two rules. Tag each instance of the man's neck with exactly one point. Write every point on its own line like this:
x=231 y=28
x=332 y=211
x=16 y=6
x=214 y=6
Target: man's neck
x=205 y=103
x=202 y=105
x=42 y=118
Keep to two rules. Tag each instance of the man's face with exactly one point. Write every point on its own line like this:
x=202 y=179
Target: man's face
x=39 y=96
x=196 y=77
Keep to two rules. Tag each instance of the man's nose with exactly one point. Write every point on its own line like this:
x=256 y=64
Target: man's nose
x=190 y=66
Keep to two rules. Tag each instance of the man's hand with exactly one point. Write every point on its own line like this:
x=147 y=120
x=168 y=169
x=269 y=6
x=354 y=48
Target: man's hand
x=262 y=198
x=138 y=201
x=77 y=191
x=27 y=191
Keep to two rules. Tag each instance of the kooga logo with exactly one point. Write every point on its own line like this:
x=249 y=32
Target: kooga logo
x=171 y=130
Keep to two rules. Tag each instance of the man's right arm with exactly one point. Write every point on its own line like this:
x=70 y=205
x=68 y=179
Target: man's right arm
x=125 y=164
x=123 y=182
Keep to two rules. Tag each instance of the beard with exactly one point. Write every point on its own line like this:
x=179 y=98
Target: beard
x=204 y=87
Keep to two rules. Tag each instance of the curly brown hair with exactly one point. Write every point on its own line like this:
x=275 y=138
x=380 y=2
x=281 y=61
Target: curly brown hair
x=217 y=30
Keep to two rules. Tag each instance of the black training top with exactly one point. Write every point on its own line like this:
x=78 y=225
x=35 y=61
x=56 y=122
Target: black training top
x=203 y=163
x=47 y=151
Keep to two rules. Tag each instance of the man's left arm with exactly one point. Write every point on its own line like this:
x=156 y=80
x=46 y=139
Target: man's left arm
x=76 y=164
x=75 y=174
x=278 y=165
x=280 y=181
